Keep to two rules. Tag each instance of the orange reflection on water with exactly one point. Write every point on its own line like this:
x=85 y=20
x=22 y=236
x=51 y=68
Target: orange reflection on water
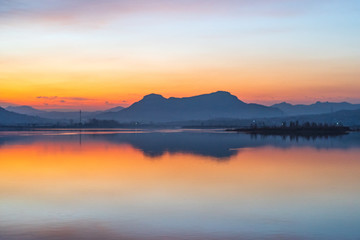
x=48 y=167
x=119 y=186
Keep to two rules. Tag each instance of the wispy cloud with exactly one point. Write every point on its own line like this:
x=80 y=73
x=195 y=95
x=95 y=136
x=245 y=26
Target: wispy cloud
x=64 y=98
x=47 y=98
x=116 y=104
x=94 y=11
x=58 y=102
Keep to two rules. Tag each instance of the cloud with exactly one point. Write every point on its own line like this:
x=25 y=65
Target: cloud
x=97 y=12
x=47 y=98
x=77 y=98
x=116 y=104
x=62 y=99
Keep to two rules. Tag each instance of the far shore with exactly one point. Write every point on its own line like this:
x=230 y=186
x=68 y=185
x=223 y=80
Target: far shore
x=296 y=131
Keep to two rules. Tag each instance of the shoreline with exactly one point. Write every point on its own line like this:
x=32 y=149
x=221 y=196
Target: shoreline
x=295 y=131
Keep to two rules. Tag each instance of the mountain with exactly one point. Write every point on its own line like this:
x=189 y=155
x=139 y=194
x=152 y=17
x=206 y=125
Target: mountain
x=115 y=109
x=316 y=108
x=11 y=118
x=156 y=108
x=25 y=110
x=56 y=115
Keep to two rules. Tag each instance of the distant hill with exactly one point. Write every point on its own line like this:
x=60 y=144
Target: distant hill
x=11 y=118
x=115 y=109
x=25 y=110
x=316 y=108
x=350 y=118
x=56 y=115
x=220 y=107
x=156 y=108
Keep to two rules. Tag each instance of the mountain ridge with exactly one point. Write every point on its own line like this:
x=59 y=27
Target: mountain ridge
x=56 y=115
x=156 y=108
x=11 y=118
x=314 y=108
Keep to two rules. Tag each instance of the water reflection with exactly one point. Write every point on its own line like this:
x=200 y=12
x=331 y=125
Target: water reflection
x=144 y=186
x=217 y=144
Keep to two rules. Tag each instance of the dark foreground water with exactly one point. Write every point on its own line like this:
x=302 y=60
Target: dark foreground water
x=186 y=184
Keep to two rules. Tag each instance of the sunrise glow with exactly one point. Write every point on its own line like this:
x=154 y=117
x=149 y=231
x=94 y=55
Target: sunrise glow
x=102 y=54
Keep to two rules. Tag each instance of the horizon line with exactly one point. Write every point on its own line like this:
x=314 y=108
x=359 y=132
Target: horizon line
x=89 y=107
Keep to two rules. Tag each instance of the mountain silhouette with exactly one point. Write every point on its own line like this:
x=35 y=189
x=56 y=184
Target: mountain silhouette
x=55 y=115
x=156 y=108
x=220 y=107
x=11 y=118
x=316 y=108
x=115 y=109
x=25 y=110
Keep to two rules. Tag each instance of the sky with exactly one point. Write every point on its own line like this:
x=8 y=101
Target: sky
x=93 y=54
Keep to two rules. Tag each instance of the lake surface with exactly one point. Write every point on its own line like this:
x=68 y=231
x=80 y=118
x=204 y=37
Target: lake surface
x=177 y=184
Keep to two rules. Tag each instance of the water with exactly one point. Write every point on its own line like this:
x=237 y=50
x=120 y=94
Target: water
x=178 y=184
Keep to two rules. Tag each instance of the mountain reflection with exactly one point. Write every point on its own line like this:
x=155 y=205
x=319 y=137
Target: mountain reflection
x=216 y=144
x=97 y=231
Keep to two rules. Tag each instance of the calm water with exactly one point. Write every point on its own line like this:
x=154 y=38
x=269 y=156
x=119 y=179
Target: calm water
x=177 y=185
